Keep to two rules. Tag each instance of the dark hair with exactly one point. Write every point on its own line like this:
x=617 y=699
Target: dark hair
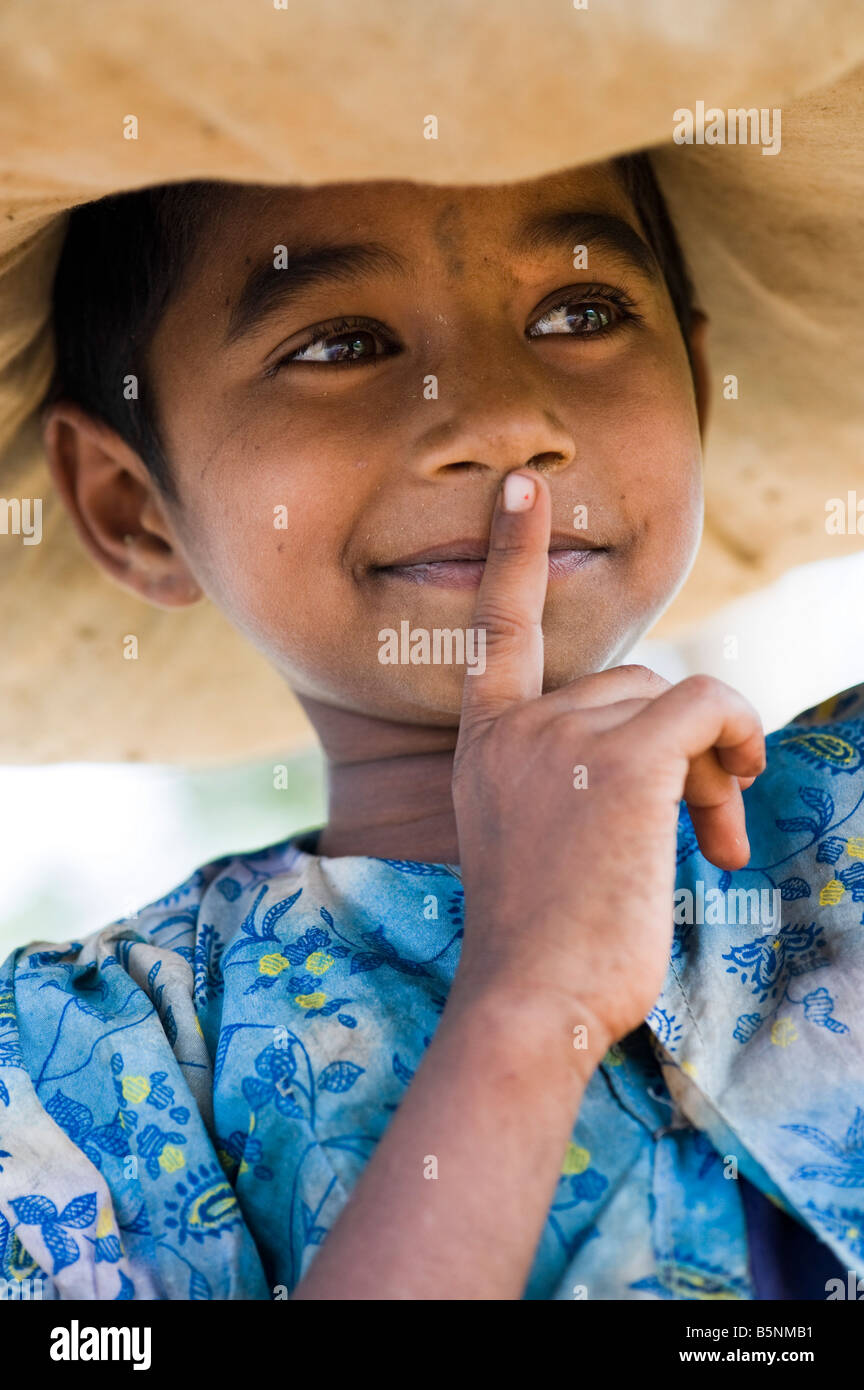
x=123 y=261
x=640 y=183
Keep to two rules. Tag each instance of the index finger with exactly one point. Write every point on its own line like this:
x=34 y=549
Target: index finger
x=510 y=601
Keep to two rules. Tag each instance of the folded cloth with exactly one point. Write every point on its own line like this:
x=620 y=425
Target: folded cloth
x=188 y=1096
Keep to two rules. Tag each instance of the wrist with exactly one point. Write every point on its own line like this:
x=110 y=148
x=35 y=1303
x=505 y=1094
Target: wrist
x=536 y=1023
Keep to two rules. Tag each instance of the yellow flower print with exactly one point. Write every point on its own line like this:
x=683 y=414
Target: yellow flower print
x=135 y=1088
x=831 y=893
x=319 y=962
x=105 y=1224
x=7 y=1007
x=171 y=1158
x=686 y=1281
x=273 y=964
x=855 y=847
x=576 y=1160
x=783 y=1032
x=689 y=1069
x=311 y=1001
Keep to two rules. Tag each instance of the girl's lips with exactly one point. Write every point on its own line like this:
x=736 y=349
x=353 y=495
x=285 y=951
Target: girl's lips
x=466 y=574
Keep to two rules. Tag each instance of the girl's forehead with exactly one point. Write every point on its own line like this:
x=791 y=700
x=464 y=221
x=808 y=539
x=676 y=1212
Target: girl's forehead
x=445 y=211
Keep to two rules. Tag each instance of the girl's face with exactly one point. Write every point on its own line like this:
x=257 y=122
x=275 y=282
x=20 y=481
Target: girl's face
x=349 y=370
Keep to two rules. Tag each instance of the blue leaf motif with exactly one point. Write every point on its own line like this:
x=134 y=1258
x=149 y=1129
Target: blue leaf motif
x=405 y=1074
x=411 y=866
x=34 y=1210
x=792 y=888
x=378 y=941
x=408 y=967
x=277 y=1063
x=339 y=1076
x=62 y=1247
x=87 y=1009
x=222 y=1050
x=276 y=911
x=255 y=1092
x=199 y=1289
x=365 y=960
x=229 y=888
x=247 y=926
x=288 y=1106
x=80 y=1212
x=838 y=1177
x=798 y=823
x=817 y=1137
x=139 y=1225
x=819 y=801
x=855 y=1135
x=307 y=1218
x=108 y=1249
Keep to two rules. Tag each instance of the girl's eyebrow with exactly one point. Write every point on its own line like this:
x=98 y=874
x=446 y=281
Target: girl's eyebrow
x=267 y=288
x=549 y=230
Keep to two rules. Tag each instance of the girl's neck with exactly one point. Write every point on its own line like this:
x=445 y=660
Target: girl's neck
x=389 y=790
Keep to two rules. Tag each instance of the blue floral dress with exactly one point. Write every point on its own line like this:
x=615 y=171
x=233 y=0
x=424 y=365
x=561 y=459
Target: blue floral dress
x=188 y=1096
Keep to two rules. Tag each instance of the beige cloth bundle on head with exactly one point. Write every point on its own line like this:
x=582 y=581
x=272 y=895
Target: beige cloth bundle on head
x=335 y=91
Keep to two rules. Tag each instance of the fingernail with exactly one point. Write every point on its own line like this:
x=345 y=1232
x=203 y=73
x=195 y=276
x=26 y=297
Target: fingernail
x=520 y=492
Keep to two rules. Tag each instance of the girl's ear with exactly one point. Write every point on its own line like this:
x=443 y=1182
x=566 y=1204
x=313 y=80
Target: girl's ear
x=699 y=359
x=116 y=507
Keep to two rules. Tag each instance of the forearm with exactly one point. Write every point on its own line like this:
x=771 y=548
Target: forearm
x=490 y=1109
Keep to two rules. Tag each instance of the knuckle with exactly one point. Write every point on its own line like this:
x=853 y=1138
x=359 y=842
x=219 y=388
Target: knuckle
x=702 y=687
x=646 y=676
x=501 y=624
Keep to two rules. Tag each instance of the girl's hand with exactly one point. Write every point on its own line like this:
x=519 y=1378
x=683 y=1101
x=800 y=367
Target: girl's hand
x=569 y=888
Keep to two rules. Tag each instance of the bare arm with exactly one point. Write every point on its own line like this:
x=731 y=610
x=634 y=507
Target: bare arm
x=494 y=1102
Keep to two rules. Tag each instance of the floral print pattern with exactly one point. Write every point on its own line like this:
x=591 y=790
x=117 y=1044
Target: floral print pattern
x=188 y=1096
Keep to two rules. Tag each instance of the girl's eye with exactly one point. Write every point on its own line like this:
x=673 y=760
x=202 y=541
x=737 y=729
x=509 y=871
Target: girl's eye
x=582 y=318
x=343 y=345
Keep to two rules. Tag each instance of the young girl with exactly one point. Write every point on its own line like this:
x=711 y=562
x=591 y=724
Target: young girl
x=428 y=1051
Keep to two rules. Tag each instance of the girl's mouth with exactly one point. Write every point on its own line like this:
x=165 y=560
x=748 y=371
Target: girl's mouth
x=465 y=570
